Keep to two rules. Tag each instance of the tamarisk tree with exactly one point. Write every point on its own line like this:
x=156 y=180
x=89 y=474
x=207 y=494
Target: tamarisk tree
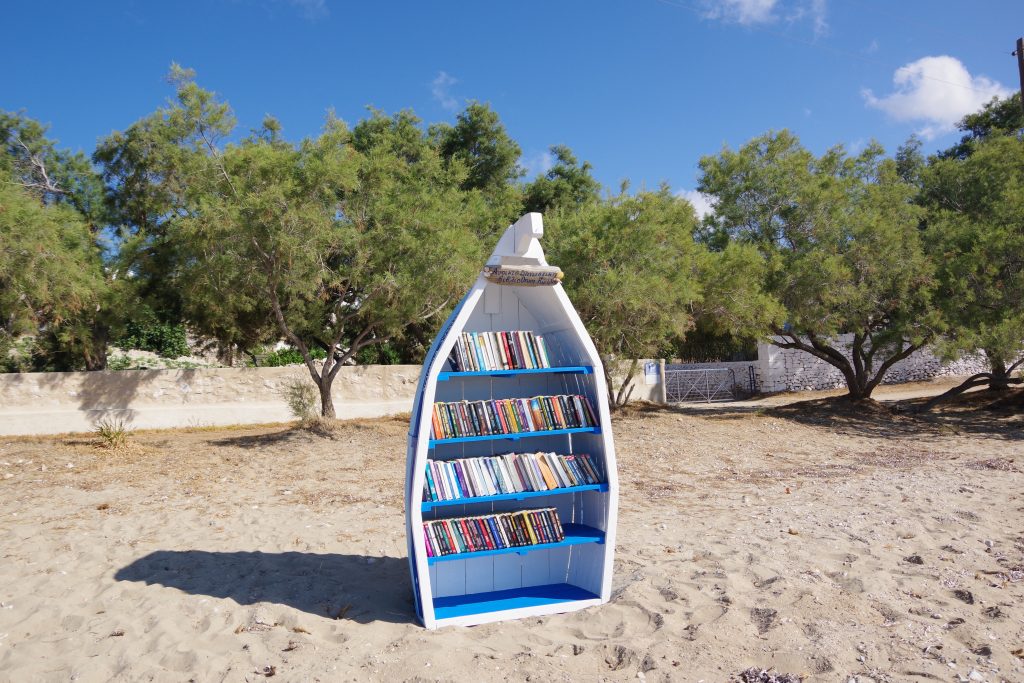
x=338 y=242
x=976 y=235
x=631 y=267
x=839 y=238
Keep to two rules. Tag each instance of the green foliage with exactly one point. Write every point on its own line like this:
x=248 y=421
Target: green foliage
x=383 y=354
x=568 y=184
x=338 y=242
x=1001 y=116
x=976 y=237
x=704 y=346
x=480 y=142
x=840 y=249
x=630 y=265
x=146 y=333
x=288 y=356
x=54 y=197
x=50 y=272
x=33 y=162
x=120 y=362
x=301 y=398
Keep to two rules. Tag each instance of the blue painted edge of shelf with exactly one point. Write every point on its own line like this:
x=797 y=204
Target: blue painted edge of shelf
x=453 y=606
x=427 y=506
x=575 y=534
x=564 y=370
x=514 y=437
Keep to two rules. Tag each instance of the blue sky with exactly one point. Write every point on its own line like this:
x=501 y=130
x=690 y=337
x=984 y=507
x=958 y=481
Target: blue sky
x=640 y=88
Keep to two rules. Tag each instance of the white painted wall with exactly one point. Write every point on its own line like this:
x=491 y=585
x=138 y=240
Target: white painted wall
x=57 y=402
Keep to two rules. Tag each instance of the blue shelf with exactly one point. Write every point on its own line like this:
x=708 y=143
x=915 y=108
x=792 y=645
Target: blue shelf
x=516 y=436
x=565 y=370
x=431 y=504
x=575 y=534
x=515 y=598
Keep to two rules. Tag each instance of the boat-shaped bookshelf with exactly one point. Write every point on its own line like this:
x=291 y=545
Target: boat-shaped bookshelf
x=497 y=583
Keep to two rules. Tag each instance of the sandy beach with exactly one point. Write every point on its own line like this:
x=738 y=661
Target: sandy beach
x=875 y=548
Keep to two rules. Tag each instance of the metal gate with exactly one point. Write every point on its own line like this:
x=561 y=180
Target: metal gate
x=705 y=384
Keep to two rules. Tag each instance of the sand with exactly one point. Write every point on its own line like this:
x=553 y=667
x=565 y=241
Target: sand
x=874 y=548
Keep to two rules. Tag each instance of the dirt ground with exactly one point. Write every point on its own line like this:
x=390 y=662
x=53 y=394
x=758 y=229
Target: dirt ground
x=832 y=544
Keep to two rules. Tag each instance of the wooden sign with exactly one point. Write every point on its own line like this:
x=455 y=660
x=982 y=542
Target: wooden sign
x=523 y=276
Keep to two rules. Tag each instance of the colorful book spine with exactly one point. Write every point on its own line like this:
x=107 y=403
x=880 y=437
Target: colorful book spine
x=511 y=350
x=492 y=532
x=511 y=416
x=492 y=475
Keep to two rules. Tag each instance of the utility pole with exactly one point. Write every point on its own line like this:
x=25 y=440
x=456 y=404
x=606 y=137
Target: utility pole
x=1020 y=67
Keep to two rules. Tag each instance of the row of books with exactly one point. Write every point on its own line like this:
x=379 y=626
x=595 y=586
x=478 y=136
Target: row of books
x=511 y=416
x=512 y=350
x=492 y=532
x=509 y=473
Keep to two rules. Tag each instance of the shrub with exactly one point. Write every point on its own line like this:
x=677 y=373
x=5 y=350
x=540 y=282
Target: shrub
x=113 y=432
x=289 y=356
x=378 y=354
x=119 y=363
x=168 y=340
x=301 y=397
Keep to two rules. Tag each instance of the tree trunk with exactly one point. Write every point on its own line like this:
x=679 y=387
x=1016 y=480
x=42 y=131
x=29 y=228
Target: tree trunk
x=999 y=379
x=326 y=400
x=857 y=369
x=617 y=398
x=622 y=398
x=96 y=349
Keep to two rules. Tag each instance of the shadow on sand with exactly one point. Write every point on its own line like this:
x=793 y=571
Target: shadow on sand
x=971 y=414
x=356 y=587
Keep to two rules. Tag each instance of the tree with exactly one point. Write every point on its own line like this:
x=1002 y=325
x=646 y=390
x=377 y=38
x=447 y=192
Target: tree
x=1001 y=116
x=480 y=142
x=838 y=236
x=146 y=170
x=70 y=194
x=630 y=266
x=976 y=237
x=49 y=271
x=567 y=184
x=337 y=242
x=53 y=176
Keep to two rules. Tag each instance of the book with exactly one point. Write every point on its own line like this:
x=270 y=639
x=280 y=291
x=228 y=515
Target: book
x=484 y=418
x=507 y=350
x=491 y=475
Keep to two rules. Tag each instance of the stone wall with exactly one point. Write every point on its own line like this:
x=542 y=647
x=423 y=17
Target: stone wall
x=795 y=370
x=56 y=402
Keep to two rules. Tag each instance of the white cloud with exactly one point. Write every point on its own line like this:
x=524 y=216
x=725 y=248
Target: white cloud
x=440 y=88
x=818 y=13
x=537 y=164
x=703 y=204
x=753 y=12
x=744 y=12
x=936 y=91
x=311 y=9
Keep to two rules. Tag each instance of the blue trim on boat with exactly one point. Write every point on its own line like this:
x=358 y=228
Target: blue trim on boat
x=515 y=436
x=565 y=370
x=523 y=495
x=531 y=596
